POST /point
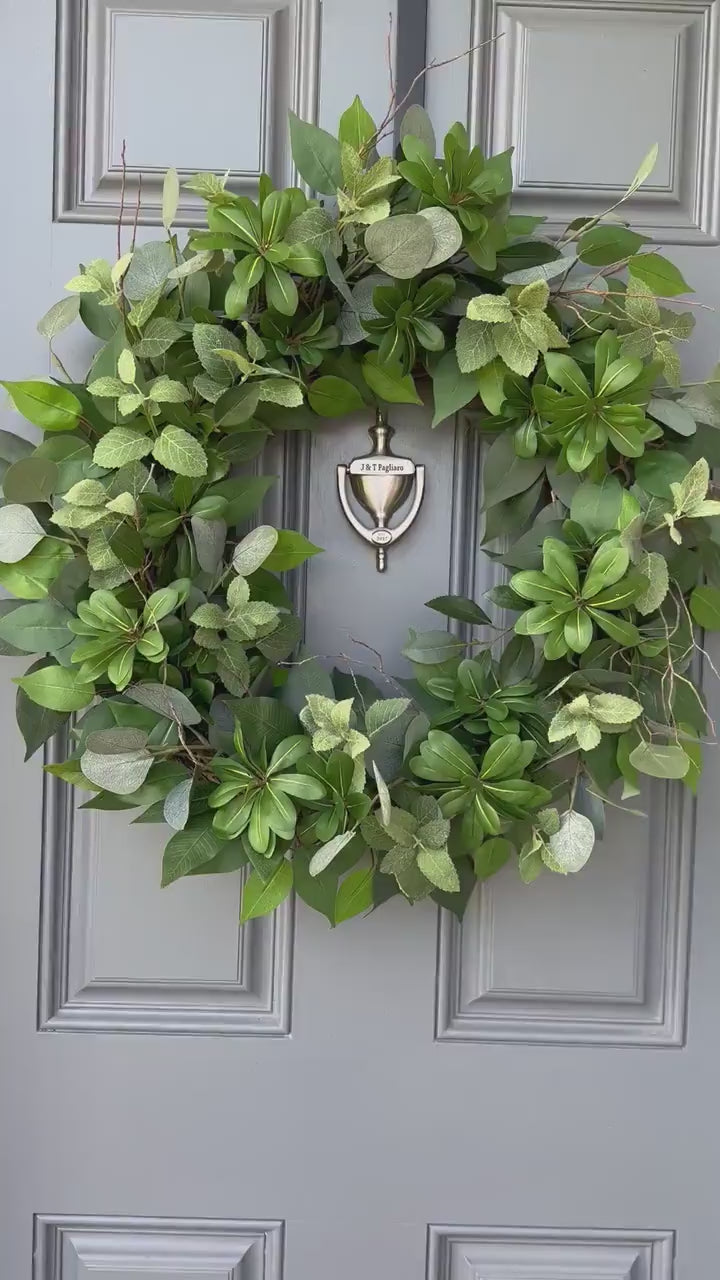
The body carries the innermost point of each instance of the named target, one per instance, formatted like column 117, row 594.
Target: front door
column 530, row 1096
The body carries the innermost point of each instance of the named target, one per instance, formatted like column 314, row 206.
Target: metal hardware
column 381, row 483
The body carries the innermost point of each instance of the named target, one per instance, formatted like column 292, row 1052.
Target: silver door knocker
column 381, row 483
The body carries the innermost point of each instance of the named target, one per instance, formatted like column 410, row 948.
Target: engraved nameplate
column 382, row 467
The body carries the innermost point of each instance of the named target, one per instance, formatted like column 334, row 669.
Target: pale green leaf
column 177, row 450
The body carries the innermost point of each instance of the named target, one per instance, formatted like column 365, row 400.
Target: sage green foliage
column 157, row 620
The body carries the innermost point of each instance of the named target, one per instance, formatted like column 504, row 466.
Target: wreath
column 166, row 646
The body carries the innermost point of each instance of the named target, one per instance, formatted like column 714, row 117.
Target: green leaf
column 608, row 565
column 656, row 471
column 384, row 712
column 35, row 723
column 281, row 290
column 31, row 577
column 316, row 155
column 388, row 381
column 494, row 308
column 609, row 243
column 460, row 608
column 571, row 846
column 357, row 126
column 475, row 344
column 328, row 852
column 333, row 397
column 291, row 549
column 120, row 446
column 176, row 808
column 673, row 415
column 260, row 897
column 209, row 340
column 505, row 475
column 659, row 275
column 354, row 895
column 491, row 385
column 209, row 537
column 281, row 391
column 438, row 867
column 416, row 123
column 57, row 688
column 402, row 245
column 149, row 268
column 164, row 390
column 317, row 891
column 190, row 848
column 166, row 701
column 170, row 198
column 660, row 761
column 20, row 532
column 645, row 169
column 118, row 772
column 596, row 507
column 432, row 647
column 30, row 479
column 243, row 496
column 37, row 628
column 452, row 390
column 705, row 608
column 46, row 405
column 158, row 336
column 447, row 234
column 177, row 450
column 654, row 567
column 58, row 318
column 14, row 447
column 254, row 549
column 490, row 856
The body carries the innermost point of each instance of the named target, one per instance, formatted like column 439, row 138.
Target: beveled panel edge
column 657, row 1246
column 695, row 222
column 73, row 104
column 161, row 1007
column 265, row 1263
column 568, row 1022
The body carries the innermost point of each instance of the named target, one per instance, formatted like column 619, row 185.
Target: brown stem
column 394, row 108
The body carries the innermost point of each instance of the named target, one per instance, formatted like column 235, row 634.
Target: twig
column 202, row 768
column 122, row 199
column 364, row 645
column 607, row 293
column 391, row 72
column 54, row 356
column 395, row 108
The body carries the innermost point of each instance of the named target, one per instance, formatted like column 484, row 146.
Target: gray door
column 530, row 1097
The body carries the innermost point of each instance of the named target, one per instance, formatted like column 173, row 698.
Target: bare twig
column 56, row 360
column 391, row 70
column 123, row 185
column 607, row 293
column 395, row 107
column 364, row 645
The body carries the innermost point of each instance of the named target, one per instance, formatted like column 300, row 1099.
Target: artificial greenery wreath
column 166, row 643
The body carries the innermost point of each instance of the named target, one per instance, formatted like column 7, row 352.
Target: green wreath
column 166, row 646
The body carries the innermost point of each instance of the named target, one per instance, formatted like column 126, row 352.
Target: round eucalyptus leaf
column 30, row 479
column 121, row 772
column 572, row 845
column 446, row 234
column 176, row 809
column 402, row 246
column 113, row 742
column 20, row 531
